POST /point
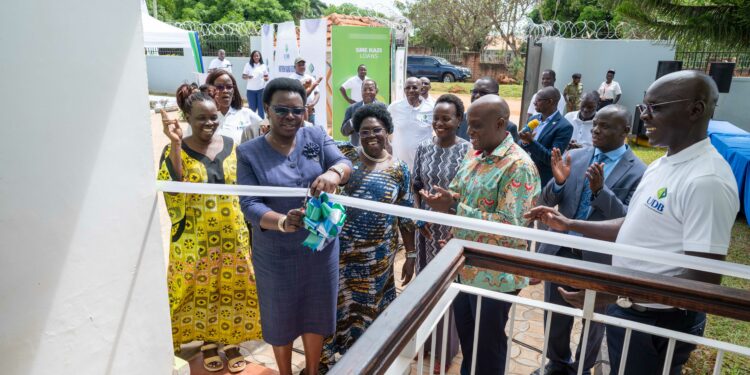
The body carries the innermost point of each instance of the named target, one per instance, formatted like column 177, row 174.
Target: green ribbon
column 323, row 220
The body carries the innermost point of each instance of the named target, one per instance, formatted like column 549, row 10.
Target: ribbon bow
column 323, row 220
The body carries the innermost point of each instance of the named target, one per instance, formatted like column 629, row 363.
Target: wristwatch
column 338, row 169
column 624, row 302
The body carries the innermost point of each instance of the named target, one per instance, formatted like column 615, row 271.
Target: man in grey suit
column 594, row 184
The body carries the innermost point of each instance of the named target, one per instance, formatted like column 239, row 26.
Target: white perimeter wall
column 634, row 61
column 82, row 282
column 733, row 106
column 166, row 73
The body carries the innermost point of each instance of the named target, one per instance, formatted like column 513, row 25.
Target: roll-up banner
column 312, row 42
column 266, row 48
column 350, row 47
column 286, row 50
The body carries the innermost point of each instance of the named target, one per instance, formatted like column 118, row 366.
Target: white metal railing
column 587, row 314
column 438, row 310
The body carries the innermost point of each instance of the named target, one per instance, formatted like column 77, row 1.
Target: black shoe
column 550, row 369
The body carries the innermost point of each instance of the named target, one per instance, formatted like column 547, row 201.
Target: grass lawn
column 719, row 328
column 506, row 91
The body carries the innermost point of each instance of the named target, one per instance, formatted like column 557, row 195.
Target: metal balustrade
column 396, row 339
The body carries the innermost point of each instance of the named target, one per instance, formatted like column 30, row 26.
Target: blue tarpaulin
column 733, row 144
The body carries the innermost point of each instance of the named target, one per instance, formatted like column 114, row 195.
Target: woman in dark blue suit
column 297, row 287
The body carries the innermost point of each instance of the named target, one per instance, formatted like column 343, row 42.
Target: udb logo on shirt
column 657, row 203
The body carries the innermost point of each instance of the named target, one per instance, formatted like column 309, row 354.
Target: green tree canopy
column 351, row 9
column 691, row 23
column 572, row 10
column 221, row 11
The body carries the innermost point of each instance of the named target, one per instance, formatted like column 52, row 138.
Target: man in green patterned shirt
column 497, row 181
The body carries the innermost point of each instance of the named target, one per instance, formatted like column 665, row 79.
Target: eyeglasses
column 649, row 108
column 367, row 133
column 482, row 92
column 224, row 88
column 282, row 111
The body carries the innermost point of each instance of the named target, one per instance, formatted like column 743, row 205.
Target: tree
column 351, row 9
column 572, row 11
column 222, row 11
column 691, row 23
column 461, row 23
column 468, row 24
column 506, row 16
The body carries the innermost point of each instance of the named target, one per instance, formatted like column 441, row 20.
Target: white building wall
column 634, row 61
column 82, row 282
column 733, row 105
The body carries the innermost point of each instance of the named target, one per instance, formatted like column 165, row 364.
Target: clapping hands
column 560, row 166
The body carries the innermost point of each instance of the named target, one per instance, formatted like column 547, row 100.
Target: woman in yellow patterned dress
column 212, row 294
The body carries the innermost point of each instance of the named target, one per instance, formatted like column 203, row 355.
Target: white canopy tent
column 157, row 34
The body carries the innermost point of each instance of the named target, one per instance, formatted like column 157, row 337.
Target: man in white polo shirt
column 686, row 203
column 220, row 63
column 354, row 85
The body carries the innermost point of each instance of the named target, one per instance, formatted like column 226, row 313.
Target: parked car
column 435, row 68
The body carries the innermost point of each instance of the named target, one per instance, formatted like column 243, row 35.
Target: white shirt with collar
column 233, row 123
column 581, row 129
column 609, row 91
column 411, row 126
column 225, row 65
column 532, row 108
column 354, row 85
column 259, row 71
column 304, row 78
column 543, row 124
column 685, row 202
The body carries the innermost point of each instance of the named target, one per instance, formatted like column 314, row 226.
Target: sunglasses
column 649, row 108
column 367, row 133
column 224, row 88
column 282, row 111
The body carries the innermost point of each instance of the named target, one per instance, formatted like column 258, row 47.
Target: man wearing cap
column 310, row 84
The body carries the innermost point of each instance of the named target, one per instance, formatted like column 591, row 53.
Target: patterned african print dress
column 369, row 242
column 435, row 165
column 210, row 280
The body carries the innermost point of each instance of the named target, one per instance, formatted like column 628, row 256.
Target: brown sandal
column 212, row 359
column 231, row 362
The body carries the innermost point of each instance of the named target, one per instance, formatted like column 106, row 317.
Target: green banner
column 350, row 47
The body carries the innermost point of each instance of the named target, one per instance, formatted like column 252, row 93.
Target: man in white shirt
column 425, row 91
column 354, row 85
column 220, row 63
column 583, row 121
column 412, row 122
column 310, row 84
column 686, row 203
column 548, row 80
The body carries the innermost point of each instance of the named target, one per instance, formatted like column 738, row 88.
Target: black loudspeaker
column 667, row 66
column 722, row 73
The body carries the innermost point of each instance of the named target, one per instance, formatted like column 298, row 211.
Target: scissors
column 307, row 196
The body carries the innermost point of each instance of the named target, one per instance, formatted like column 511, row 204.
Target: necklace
column 384, row 158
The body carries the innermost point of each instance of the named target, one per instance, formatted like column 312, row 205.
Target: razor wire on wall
column 233, row 38
column 582, row 30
